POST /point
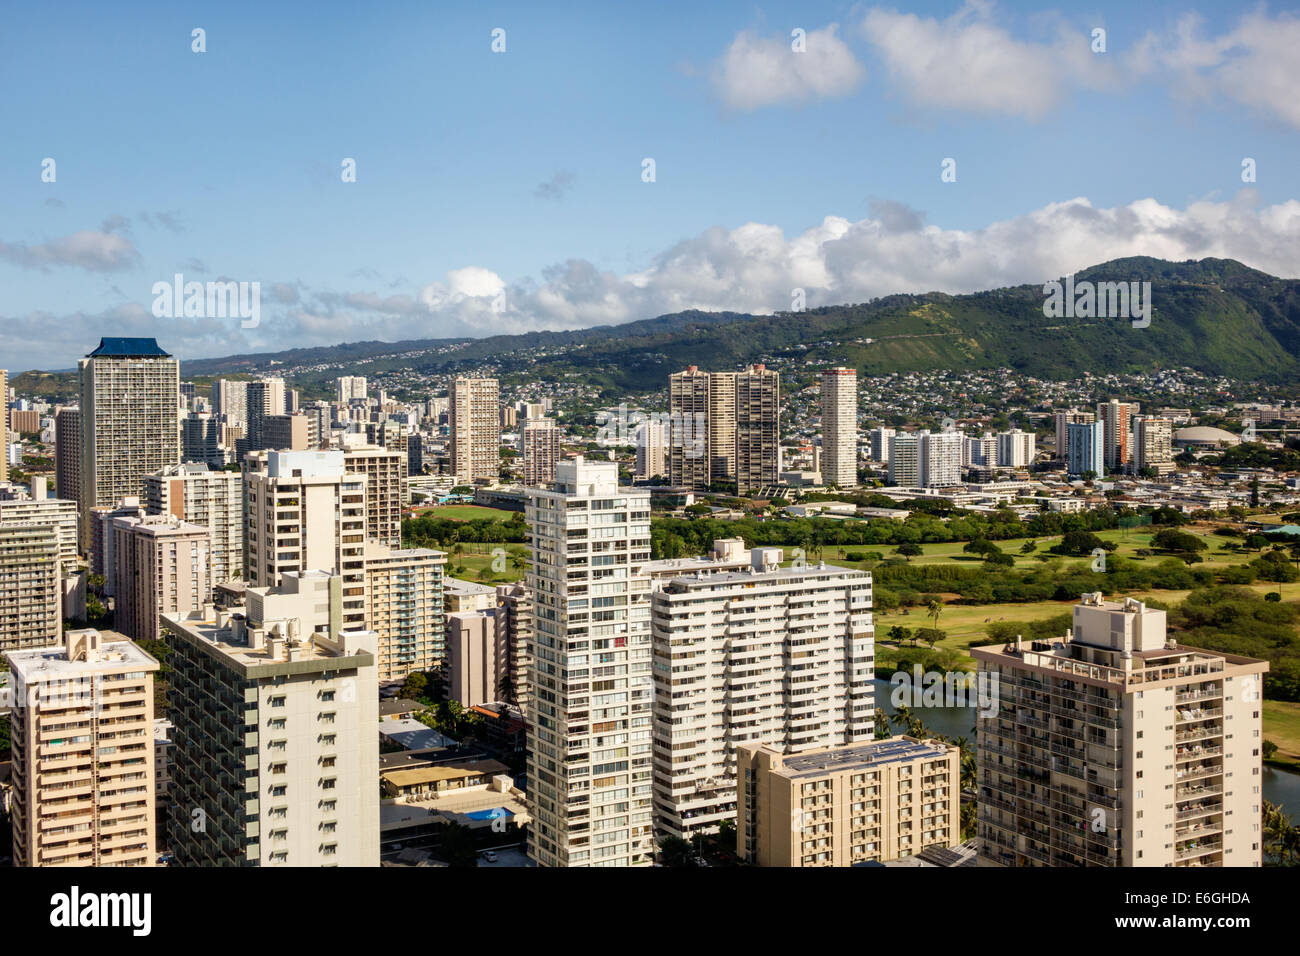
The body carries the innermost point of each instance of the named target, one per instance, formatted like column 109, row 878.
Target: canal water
column 1279, row 787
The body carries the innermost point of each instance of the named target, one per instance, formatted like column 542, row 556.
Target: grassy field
column 1129, row 543
column 1282, row 726
column 463, row 512
column 478, row 558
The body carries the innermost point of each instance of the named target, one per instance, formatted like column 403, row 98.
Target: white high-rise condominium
column 1016, row 449
column 840, row 427
column 351, row 387
column 980, row 452
column 589, row 749
column 880, row 443
column 941, row 458
column 130, row 419
column 230, row 400
column 767, row 655
column 475, row 412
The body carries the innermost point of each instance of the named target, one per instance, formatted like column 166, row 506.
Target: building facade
column 475, row 423
column 839, row 400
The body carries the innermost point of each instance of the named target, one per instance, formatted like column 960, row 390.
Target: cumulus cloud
column 103, row 250
column 753, row 267
column 968, row 62
column 1254, row 63
column 759, row 71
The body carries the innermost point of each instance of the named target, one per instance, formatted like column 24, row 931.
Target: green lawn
column 1282, row 726
column 477, row 557
column 463, row 512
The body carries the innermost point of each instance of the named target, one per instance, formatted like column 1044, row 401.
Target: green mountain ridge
column 1215, row 315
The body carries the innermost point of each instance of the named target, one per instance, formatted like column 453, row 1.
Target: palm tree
column 902, row 717
column 934, row 608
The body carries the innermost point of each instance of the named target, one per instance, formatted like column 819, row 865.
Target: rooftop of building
column 751, row 575
column 438, row 773
column 128, row 348
column 460, row 587
column 864, row 756
column 52, row 663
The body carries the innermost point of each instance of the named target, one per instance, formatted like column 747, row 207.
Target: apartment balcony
column 1198, row 850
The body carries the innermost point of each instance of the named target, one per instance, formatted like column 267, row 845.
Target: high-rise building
column 541, row 444
column 941, row 458
column 102, row 541
column 766, row 655
column 589, row 750
column 230, row 400
column 162, row 565
column 1064, row 419
column 880, row 444
column 981, row 452
column 1116, row 417
column 1117, row 746
column 287, row 432
column 266, row 398
column 67, row 453
column 414, row 454
column 212, row 499
column 31, row 595
column 1085, row 449
column 842, row 806
column 385, row 473
column 651, row 450
column 475, row 448
column 724, row 427
column 54, row 512
column 1016, row 449
column 306, row 512
column 275, row 709
column 1153, row 444
column 350, row 388
column 4, row 425
column 201, row 439
column 690, row 460
column 130, row 419
column 405, row 608
column 477, row 657
column 515, row 614
column 83, row 753
column 905, row 459
column 839, row 394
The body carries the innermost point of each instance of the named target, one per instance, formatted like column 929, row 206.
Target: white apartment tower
column 767, row 655
column 840, row 427
column 589, row 747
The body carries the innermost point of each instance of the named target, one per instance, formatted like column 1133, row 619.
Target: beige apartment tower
column 385, row 472
column 724, row 427
column 765, row 655
column 839, row 806
column 405, row 608
column 1153, row 444
column 162, row 565
column 540, row 439
column 589, row 751
column 1117, row 746
column 213, row 499
column 83, row 753
column 475, row 411
column 306, row 512
column 130, row 420
column 840, row 427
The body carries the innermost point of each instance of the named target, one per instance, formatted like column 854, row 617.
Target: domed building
column 1203, row 436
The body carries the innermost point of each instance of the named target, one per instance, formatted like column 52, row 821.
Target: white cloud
column 764, row 71
column 102, row 250
column 750, row 268
column 1255, row 63
column 966, row 62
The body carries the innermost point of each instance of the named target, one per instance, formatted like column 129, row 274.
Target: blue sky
column 498, row 192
